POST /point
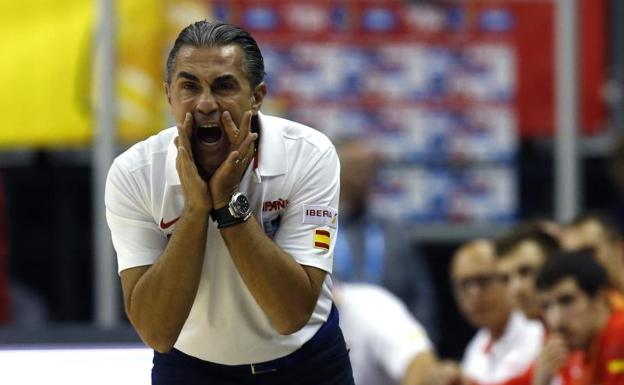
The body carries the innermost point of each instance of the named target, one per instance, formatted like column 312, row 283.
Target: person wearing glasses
column 506, row 343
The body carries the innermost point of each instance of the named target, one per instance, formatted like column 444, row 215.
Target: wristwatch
column 236, row 211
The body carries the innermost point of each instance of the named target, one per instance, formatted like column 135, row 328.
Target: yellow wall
column 45, row 72
column 46, row 82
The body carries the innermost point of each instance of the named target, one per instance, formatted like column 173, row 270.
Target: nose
column 516, row 285
column 207, row 104
column 554, row 317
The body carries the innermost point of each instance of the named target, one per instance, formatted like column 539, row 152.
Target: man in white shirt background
column 387, row 344
column 507, row 343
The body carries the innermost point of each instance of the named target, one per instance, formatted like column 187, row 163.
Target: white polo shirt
column 382, row 335
column 294, row 195
column 487, row 362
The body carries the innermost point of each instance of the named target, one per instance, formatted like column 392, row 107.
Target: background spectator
column 506, row 343
column 573, row 291
column 521, row 253
column 377, row 250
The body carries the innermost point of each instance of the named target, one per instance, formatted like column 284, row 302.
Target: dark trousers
column 324, row 360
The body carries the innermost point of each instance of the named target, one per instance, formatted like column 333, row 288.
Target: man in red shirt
column 586, row 341
column 599, row 232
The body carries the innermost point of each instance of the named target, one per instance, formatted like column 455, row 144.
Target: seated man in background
column 573, row 290
column 507, row 343
column 387, row 344
column 521, row 253
column 600, row 233
column 377, row 250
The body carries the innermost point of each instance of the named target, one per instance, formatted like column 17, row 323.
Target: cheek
column 527, row 285
column 178, row 109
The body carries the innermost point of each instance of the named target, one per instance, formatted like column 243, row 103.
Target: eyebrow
column 189, row 76
column 222, row 78
column 225, row 78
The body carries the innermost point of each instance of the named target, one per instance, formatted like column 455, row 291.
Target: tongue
column 209, row 134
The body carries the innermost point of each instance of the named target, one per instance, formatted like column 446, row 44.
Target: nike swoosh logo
column 165, row 225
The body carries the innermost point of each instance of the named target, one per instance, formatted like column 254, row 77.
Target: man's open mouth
column 208, row 134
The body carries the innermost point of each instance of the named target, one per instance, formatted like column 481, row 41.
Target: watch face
column 240, row 205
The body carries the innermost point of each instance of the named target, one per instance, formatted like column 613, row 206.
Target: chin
column 205, row 172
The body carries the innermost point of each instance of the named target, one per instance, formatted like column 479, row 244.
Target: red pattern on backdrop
column 532, row 36
column 535, row 42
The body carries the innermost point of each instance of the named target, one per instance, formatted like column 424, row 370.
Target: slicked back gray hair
column 203, row 34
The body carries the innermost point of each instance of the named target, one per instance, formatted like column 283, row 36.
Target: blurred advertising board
column 372, row 50
column 47, row 80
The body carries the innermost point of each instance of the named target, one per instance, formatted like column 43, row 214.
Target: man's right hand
column 196, row 192
column 552, row 357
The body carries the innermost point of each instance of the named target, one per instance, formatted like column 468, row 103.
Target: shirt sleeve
column 136, row 237
column 309, row 226
column 398, row 339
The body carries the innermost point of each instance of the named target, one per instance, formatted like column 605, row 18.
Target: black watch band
column 235, row 212
column 224, row 218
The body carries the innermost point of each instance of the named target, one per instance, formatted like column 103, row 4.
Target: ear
column 168, row 92
column 258, row 97
column 603, row 297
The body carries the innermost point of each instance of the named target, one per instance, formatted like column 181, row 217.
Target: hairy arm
column 158, row 298
column 285, row 290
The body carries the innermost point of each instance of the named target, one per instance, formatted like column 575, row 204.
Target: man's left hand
column 226, row 179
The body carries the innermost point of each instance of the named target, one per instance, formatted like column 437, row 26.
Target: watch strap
column 224, row 218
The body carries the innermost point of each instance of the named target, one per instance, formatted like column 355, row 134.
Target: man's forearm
column 163, row 296
column 286, row 291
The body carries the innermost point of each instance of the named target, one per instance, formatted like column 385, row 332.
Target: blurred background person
column 377, row 250
column 599, row 232
column 506, row 343
column 521, row 253
column 573, row 289
column 387, row 345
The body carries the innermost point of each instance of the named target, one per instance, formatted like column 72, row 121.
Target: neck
column 601, row 317
column 498, row 330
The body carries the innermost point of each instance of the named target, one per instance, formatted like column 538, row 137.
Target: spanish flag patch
column 615, row 366
column 321, row 239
